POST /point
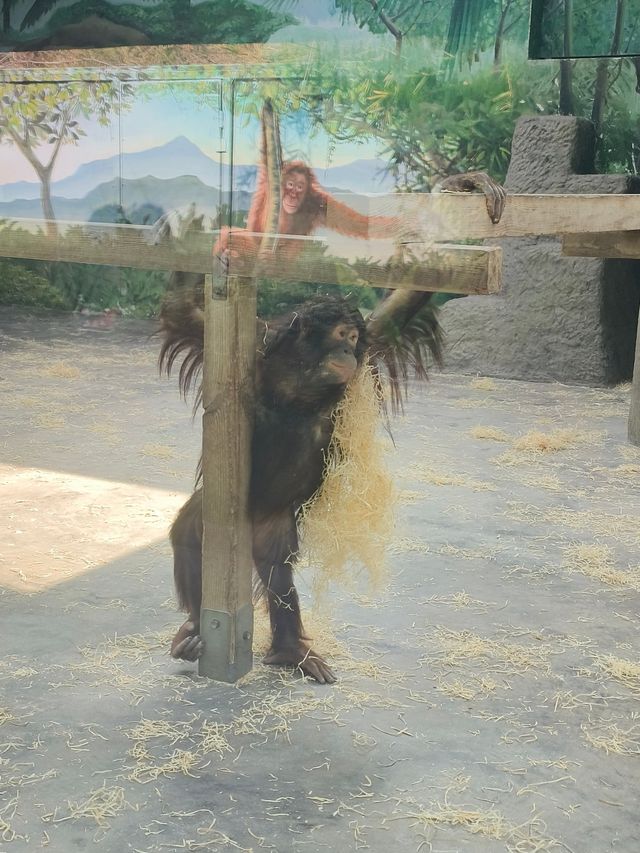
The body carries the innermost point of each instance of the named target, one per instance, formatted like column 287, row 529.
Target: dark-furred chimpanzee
column 303, row 365
column 304, row 362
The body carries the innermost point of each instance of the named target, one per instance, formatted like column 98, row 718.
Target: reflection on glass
column 575, row 28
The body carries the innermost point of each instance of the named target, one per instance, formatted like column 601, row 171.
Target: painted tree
column 39, row 118
column 399, row 18
column 37, row 10
column 602, row 71
column 512, row 17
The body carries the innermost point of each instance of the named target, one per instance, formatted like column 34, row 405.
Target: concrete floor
column 488, row 698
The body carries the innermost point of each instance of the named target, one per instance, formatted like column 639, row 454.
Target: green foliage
column 136, row 292
column 177, row 21
column 37, row 9
column 421, row 17
column 467, row 25
column 33, row 114
column 592, row 28
column 24, row 286
column 618, row 143
column 433, row 125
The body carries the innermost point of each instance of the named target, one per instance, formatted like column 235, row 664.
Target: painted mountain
column 168, row 176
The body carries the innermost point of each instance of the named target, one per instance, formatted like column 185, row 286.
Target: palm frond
column 36, row 11
column 464, row 24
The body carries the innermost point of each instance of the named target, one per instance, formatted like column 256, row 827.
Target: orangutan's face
column 294, row 192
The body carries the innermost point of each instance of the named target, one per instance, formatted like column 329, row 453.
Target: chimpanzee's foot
column 187, row 643
column 302, row 657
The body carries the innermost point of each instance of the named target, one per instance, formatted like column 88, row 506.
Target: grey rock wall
column 556, row 318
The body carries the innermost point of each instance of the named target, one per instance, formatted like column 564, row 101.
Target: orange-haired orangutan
column 306, row 206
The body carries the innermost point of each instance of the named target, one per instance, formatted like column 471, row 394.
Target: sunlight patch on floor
column 55, row 526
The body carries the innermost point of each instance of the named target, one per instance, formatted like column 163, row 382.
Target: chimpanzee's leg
column 275, row 547
column 186, row 539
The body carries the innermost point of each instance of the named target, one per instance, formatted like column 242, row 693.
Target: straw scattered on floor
column 483, row 383
column 597, row 562
column 612, row 737
column 489, row 434
column 101, row 805
column 527, row 837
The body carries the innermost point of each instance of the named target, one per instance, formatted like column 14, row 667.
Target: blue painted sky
column 168, row 111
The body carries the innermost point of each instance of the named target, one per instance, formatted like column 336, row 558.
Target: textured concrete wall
column 557, row 318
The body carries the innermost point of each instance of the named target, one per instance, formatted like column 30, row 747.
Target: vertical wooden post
column 226, row 619
column 634, row 414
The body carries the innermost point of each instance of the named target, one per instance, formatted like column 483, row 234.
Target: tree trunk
column 600, row 93
column 497, row 45
column 388, row 23
column 567, row 103
column 600, row 90
column 47, row 205
column 617, row 32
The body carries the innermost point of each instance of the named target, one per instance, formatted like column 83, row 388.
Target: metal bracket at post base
column 224, row 634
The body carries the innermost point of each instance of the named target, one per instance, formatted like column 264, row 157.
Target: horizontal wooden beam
column 106, row 244
column 450, row 217
column 445, row 268
column 610, row 244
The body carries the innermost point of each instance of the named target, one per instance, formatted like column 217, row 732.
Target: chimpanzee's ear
column 404, row 337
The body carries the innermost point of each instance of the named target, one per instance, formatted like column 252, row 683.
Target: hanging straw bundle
column 348, row 522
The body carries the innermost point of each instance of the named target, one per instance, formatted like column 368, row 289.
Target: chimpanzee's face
column 339, row 363
column 313, row 359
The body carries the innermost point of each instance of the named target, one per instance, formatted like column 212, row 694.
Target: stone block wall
column 556, row 318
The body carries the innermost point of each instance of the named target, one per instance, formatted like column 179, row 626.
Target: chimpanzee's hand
column 302, row 657
column 495, row 194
